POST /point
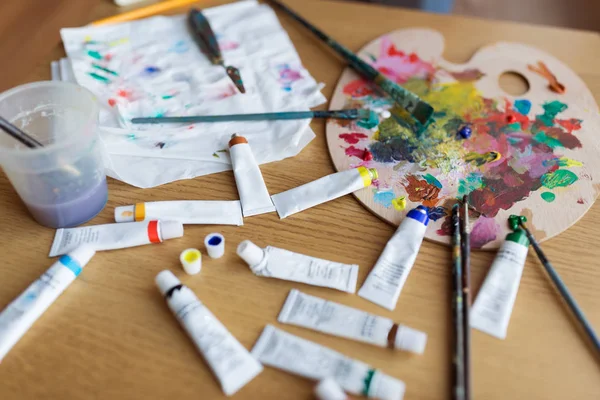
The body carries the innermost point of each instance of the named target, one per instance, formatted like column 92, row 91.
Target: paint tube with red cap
column 115, row 236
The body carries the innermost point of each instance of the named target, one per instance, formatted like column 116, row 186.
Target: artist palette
column 535, row 154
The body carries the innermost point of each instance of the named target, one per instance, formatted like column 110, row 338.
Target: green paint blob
column 558, row 178
column 548, row 196
column 551, row 110
column 94, row 54
column 101, row 68
column 99, row 77
column 551, row 142
column 432, row 181
column 369, row 123
column 168, row 96
column 470, row 183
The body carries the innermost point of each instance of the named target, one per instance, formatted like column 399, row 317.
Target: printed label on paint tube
column 283, row 264
column 251, row 186
column 492, row 309
column 298, row 356
column 230, row 362
column 21, row 314
column 322, row 190
column 115, row 236
column 204, row 212
column 386, row 279
column 336, row 319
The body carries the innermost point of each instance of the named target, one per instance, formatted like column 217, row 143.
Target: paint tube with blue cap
column 386, row 279
column 21, row 314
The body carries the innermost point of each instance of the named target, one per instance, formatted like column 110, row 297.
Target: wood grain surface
column 111, row 336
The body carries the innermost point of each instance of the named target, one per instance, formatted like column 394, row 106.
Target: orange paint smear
column 553, row 83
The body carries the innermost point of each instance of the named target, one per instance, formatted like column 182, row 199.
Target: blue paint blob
column 151, row 70
column 523, row 106
column 214, row 241
column 384, row 198
column 465, row 132
column 436, row 213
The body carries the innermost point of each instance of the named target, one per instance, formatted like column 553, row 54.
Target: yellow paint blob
column 191, row 256
column 399, row 203
column 459, row 98
column 567, row 162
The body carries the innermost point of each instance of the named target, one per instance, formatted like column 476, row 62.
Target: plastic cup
column 62, row 184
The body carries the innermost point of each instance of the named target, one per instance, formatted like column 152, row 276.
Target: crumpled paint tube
column 295, row 355
column 231, row 363
column 494, row 303
column 327, row 188
column 339, row 320
column 205, row 212
column 251, row 186
column 386, row 279
column 278, row 263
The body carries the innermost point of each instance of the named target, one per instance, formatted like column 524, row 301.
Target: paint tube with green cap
column 493, row 306
column 298, row 356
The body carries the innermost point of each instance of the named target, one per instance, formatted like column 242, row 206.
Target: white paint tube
column 204, row 212
column 386, row 279
column 328, row 389
column 327, row 188
column 273, row 262
column 229, row 361
column 339, row 320
column 251, row 186
column 115, row 236
column 494, row 303
column 22, row 313
column 298, row 356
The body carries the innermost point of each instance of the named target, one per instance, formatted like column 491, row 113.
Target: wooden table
column 111, row 336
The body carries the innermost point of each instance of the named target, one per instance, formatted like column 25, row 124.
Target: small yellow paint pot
column 191, row 261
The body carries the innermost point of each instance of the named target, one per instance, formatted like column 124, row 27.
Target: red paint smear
column 567, row 139
column 413, row 58
column 353, row 138
column 112, row 102
column 123, row 93
column 358, row 88
column 363, row 154
column 570, row 124
column 393, row 51
column 580, row 201
column 191, row 127
column 108, row 57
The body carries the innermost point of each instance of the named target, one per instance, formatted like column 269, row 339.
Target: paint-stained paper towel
column 153, row 67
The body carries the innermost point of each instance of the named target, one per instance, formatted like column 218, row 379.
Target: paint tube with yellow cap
column 203, row 212
column 251, row 186
column 273, row 262
column 327, row 188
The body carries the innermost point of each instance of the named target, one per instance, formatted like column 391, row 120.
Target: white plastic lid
column 170, row 229
column 250, row 253
column 328, row 389
column 125, row 213
column 410, row 339
column 166, row 280
column 191, row 261
column 83, row 254
column 215, row 245
column 384, row 387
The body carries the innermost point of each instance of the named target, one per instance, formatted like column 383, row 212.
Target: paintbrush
column 420, row 111
column 516, row 222
column 459, row 353
column 466, row 288
column 207, row 41
column 335, row 114
column 18, row 134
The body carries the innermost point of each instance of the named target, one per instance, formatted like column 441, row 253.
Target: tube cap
column 384, row 387
column 235, row 139
column 83, row 254
column 420, row 214
column 166, row 280
column 170, row 229
column 125, row 213
column 250, row 253
column 373, row 172
column 410, row 339
column 191, row 261
column 215, row 245
column 328, row 389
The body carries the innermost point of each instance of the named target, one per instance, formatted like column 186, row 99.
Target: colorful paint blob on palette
column 512, row 154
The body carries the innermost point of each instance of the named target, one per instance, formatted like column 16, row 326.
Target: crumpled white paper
column 153, row 67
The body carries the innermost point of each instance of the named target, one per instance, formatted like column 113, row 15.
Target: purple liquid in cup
column 78, row 210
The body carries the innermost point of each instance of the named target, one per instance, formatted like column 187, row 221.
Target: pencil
column 558, row 282
column 138, row 13
column 459, row 354
column 419, row 110
column 335, row 114
column 466, row 287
